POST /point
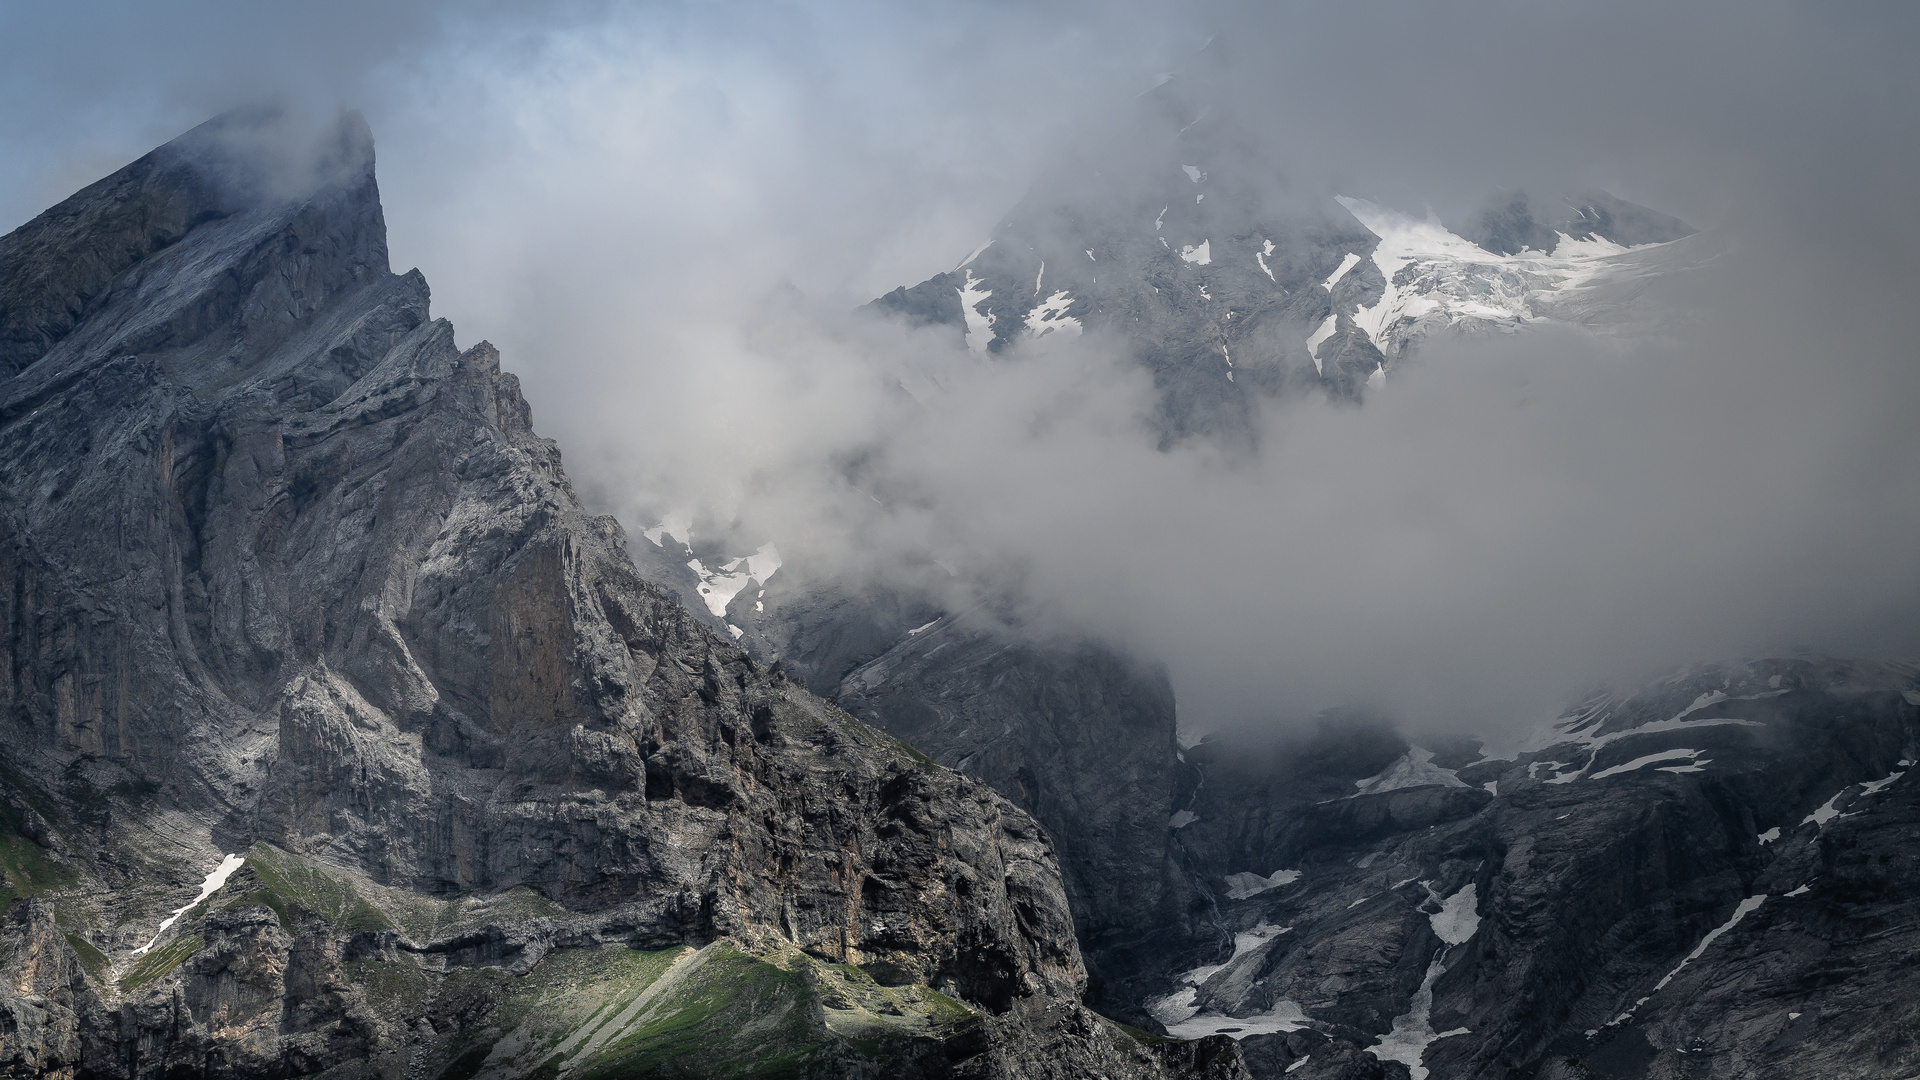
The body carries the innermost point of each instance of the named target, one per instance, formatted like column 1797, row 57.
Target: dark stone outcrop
column 1082, row 739
column 1579, row 920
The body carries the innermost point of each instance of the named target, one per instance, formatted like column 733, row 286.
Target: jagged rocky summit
column 1187, row 250
column 341, row 740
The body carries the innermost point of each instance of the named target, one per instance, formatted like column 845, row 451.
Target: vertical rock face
column 289, row 574
column 1080, row 738
column 1682, row 881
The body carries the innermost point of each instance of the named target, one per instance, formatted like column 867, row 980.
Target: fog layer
column 665, row 215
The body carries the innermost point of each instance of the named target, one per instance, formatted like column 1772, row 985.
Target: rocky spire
column 259, row 166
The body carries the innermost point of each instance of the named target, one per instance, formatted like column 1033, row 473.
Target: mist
column 667, row 215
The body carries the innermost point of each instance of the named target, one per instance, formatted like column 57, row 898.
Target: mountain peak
column 1509, row 223
column 258, row 155
column 261, row 163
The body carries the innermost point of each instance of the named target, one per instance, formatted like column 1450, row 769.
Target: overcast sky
column 661, row 212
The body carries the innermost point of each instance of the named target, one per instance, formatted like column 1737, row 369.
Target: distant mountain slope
column 1715, row 875
column 1177, row 250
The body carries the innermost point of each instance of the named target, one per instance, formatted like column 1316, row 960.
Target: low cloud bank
column 666, row 217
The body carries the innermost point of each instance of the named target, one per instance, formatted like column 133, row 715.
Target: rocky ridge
column 1186, row 251
column 1708, row 877
column 1175, row 251
column 297, row 596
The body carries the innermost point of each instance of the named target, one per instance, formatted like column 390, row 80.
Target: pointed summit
column 249, row 167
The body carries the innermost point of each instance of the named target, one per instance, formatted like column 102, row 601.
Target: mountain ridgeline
column 341, row 740
column 1711, row 876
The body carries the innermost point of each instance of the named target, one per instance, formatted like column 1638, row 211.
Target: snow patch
column 1319, row 337
column 1201, row 254
column 1181, row 819
column 677, row 525
column 1828, row 810
column 1452, row 282
column 1283, row 1017
column 1193, row 173
column 1184, row 1019
column 1412, row 1033
column 763, row 562
column 208, row 887
column 1769, row 836
column 1415, row 768
column 977, row 252
column 979, row 323
column 1458, row 920
column 1051, row 315
column 717, row 588
column 1746, row 907
column 1577, row 729
column 1692, row 757
column 1346, row 264
column 1877, row 786
column 918, row 630
column 1243, row 885
column 1711, row 697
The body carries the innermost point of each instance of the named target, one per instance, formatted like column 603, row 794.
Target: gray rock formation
column 1072, row 732
column 1080, row 738
column 1589, row 905
column 1185, row 248
column 1508, row 224
column 290, row 579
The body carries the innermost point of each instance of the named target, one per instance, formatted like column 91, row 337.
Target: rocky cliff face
column 1074, row 733
column 1709, row 877
column 1082, row 739
column 295, row 596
